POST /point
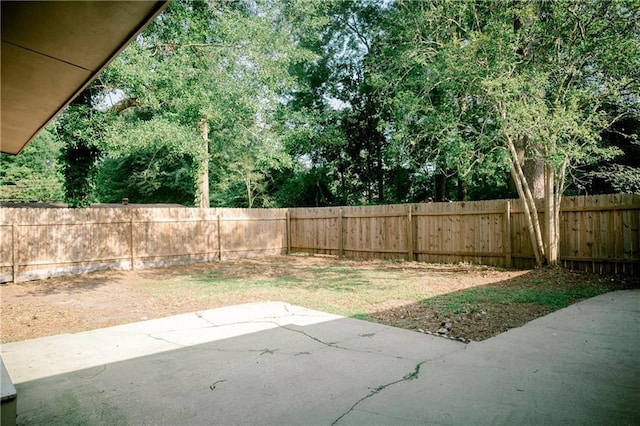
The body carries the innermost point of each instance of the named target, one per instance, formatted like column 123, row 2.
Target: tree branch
column 125, row 104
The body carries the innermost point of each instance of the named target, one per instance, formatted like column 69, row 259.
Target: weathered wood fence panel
column 39, row 243
column 316, row 230
column 597, row 233
column 252, row 232
column 461, row 232
column 601, row 233
column 375, row 232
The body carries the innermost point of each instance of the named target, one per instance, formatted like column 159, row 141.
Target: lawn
column 460, row 301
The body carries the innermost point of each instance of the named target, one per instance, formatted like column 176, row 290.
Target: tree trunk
column 462, row 190
column 528, row 203
column 533, row 169
column 550, row 215
column 559, row 183
column 441, row 186
column 202, row 190
column 247, row 184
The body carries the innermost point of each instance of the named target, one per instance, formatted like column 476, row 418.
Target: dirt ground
column 387, row 292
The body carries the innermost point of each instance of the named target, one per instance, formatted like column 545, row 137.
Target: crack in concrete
column 288, row 314
column 199, row 315
column 315, row 339
column 213, row 385
column 272, row 320
column 268, row 320
column 104, row 368
column 335, row 344
column 407, row 377
column 162, row 339
column 260, row 352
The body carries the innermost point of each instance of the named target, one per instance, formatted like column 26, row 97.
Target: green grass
column 338, row 289
column 481, row 301
column 552, row 295
column 360, row 289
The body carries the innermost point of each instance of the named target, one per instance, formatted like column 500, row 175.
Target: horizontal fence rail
column 40, row 243
column 597, row 233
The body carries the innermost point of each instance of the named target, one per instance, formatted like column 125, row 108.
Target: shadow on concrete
column 272, row 377
column 273, row 363
column 300, row 368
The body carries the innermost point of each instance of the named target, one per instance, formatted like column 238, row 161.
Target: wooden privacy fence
column 597, row 233
column 39, row 243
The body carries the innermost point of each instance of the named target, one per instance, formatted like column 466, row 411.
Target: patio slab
column 274, row 363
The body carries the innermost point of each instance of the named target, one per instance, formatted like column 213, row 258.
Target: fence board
column 598, row 234
column 50, row 242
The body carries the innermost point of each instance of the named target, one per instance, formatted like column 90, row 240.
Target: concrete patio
column 273, row 363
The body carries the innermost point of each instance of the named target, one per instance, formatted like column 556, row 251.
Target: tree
column 619, row 174
column 151, row 161
column 508, row 81
column 81, row 128
column 34, row 174
column 334, row 120
column 217, row 70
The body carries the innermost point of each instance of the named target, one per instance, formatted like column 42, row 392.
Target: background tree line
column 276, row 103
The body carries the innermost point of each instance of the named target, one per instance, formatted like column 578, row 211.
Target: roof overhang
column 52, row 50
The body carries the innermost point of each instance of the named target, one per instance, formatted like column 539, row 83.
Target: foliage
column 334, row 118
column 620, row 178
column 312, row 102
column 33, row 175
column 302, row 187
column 215, row 70
column 484, row 84
column 152, row 162
column 81, row 128
column 618, row 174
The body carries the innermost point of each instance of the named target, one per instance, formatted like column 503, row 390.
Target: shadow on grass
column 480, row 312
column 76, row 284
column 348, row 280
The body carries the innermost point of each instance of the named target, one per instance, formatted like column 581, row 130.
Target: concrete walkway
column 273, row 363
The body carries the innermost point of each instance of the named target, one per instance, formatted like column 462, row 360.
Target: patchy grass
column 477, row 301
column 463, row 301
column 344, row 290
column 480, row 312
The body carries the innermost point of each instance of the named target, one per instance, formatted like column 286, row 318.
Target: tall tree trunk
column 559, row 183
column 462, row 190
column 533, row 169
column 441, row 186
column 380, row 174
column 247, row 184
column 202, row 190
column 528, row 203
column 550, row 215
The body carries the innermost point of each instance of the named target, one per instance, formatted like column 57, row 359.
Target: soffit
column 52, row 50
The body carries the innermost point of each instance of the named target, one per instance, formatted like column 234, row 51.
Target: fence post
column 288, row 230
column 131, row 250
column 14, row 251
column 341, row 234
column 507, row 235
column 219, row 239
column 410, row 232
